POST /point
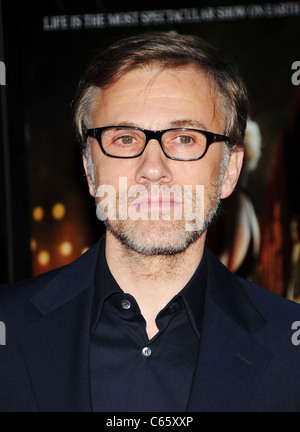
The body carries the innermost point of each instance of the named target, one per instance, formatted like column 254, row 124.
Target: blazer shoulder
column 15, row 298
column 26, row 286
column 271, row 304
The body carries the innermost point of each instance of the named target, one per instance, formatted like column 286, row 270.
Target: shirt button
column 125, row 304
column 146, row 352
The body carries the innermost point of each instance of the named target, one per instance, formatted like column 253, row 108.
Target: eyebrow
column 188, row 123
column 180, row 123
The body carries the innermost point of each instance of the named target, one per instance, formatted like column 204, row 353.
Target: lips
column 151, row 203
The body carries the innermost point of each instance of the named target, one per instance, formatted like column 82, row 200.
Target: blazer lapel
column 56, row 346
column 230, row 362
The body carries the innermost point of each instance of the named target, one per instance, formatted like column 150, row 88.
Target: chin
column 152, row 238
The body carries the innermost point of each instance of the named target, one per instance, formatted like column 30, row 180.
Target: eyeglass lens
column 127, row 142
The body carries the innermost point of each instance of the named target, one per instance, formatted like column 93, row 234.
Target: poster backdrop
column 257, row 233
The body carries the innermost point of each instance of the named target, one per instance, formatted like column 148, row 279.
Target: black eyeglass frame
column 211, row 138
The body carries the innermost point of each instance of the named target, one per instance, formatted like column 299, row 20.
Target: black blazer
column 247, row 360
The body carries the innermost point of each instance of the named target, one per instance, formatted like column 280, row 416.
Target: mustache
column 140, row 194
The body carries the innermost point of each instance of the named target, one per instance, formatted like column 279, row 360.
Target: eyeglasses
column 182, row 144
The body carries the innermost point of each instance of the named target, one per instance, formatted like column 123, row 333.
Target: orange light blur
column 58, row 211
column 43, row 258
column 66, row 248
column 38, row 213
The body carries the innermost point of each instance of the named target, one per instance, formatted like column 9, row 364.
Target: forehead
column 159, row 93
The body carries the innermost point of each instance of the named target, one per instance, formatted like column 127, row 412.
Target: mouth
column 155, row 203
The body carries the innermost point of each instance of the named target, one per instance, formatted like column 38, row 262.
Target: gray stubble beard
column 127, row 234
column 136, row 235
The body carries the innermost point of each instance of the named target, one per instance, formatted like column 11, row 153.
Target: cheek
column 198, row 173
column 109, row 170
column 214, row 164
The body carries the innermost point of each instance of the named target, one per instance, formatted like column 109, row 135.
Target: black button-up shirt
column 131, row 373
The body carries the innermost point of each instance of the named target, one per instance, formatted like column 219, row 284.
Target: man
column 148, row 319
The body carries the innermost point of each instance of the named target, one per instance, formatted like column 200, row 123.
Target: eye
column 127, row 139
column 184, row 139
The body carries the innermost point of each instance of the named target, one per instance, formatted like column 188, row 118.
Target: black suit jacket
column 246, row 360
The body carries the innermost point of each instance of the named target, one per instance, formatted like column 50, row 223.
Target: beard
column 162, row 237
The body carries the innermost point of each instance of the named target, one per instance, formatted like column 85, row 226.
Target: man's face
column 155, row 99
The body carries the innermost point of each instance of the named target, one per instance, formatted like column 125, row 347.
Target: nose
column 154, row 165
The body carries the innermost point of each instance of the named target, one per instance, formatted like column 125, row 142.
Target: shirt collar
column 193, row 293
column 105, row 285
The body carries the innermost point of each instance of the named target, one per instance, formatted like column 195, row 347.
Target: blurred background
column 47, row 216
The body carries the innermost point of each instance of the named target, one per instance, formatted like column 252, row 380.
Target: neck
column 152, row 280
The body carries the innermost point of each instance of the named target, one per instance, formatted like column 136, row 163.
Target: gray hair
column 170, row 51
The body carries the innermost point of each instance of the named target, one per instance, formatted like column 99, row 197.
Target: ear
column 88, row 176
column 232, row 172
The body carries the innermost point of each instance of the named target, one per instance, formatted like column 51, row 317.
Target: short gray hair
column 170, row 51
